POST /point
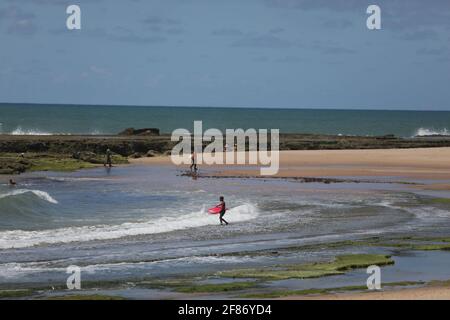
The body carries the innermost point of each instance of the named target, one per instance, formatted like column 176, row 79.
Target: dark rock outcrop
column 151, row 154
column 140, row 132
column 88, row 156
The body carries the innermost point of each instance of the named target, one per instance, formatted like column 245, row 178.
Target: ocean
column 138, row 222
column 74, row 119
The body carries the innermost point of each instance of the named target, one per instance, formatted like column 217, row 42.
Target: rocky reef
column 71, row 152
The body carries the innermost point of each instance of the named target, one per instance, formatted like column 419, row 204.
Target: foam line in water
column 25, row 132
column 432, row 132
column 19, row 131
column 21, row 239
column 40, row 194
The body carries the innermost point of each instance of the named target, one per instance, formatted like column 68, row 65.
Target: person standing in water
column 223, row 209
column 108, row 158
column 194, row 161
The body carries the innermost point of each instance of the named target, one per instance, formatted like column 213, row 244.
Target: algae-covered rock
column 340, row 265
column 89, row 156
column 13, row 165
column 136, row 155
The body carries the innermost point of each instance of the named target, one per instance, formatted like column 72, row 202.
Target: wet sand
column 425, row 293
column 423, row 163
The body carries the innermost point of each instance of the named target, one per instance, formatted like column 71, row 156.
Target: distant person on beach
column 194, row 161
column 108, row 158
column 12, row 183
column 223, row 209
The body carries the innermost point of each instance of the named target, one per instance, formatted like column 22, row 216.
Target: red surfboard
column 215, row 210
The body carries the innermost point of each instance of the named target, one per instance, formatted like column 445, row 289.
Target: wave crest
column 431, row 132
column 21, row 239
column 40, row 194
column 19, row 131
column 29, row 132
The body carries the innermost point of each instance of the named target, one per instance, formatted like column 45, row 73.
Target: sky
column 227, row 53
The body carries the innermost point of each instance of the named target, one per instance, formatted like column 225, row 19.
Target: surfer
column 222, row 210
column 12, row 183
column 108, row 158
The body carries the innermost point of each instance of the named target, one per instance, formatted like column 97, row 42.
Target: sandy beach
column 425, row 293
column 424, row 163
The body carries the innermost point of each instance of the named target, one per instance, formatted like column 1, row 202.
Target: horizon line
column 221, row 107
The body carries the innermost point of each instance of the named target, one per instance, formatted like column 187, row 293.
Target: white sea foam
column 40, row 194
column 28, row 132
column 21, row 239
column 17, row 270
column 432, row 132
column 19, row 131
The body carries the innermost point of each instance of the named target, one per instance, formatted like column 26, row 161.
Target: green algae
column 85, row 297
column 64, row 164
column 340, row 265
column 221, row 287
column 14, row 163
column 440, row 200
column 19, row 293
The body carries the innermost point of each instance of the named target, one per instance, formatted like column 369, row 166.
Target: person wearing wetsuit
column 108, row 161
column 194, row 161
column 223, row 209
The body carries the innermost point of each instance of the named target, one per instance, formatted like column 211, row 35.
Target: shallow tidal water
column 136, row 222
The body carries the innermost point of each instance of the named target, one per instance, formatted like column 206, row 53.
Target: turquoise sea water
column 73, row 119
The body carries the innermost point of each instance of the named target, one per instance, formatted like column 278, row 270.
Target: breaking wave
column 19, row 131
column 29, row 132
column 38, row 193
column 431, row 132
column 21, row 238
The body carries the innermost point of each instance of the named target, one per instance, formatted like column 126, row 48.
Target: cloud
column 261, row 59
column 432, row 51
column 335, row 5
column 337, row 24
column 163, row 25
column 120, row 34
column 100, row 71
column 22, row 27
column 289, row 59
column 133, row 38
column 155, row 20
column 276, row 30
column 331, row 49
column 53, row 2
column 419, row 35
column 397, row 15
column 227, row 32
column 18, row 21
column 262, row 41
column 175, row 31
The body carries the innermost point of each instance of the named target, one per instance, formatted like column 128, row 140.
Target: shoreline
column 420, row 163
column 21, row 153
column 428, row 292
